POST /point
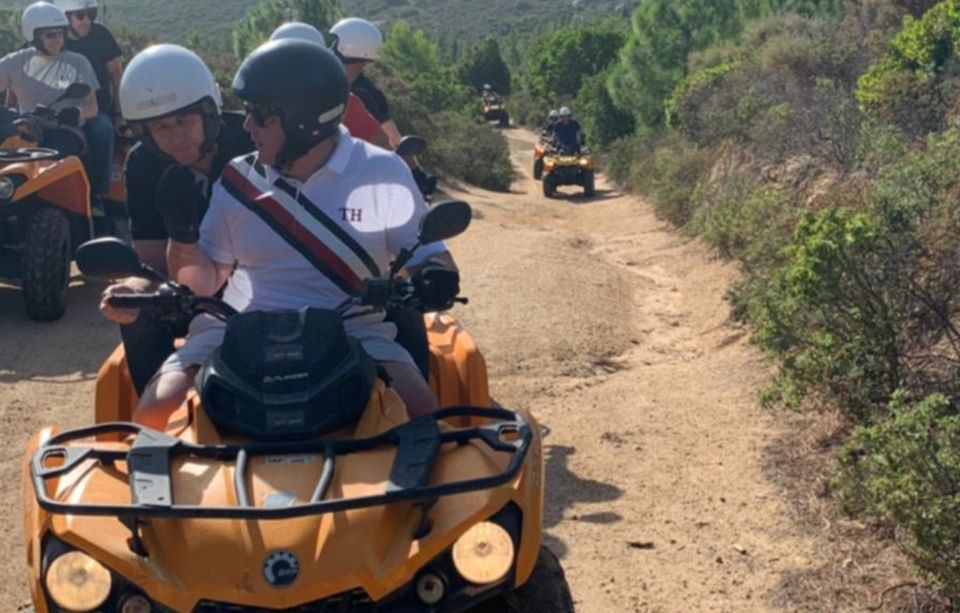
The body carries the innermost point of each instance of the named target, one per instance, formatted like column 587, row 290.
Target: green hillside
column 462, row 20
column 172, row 20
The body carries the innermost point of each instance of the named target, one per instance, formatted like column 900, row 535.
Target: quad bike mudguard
column 60, row 182
column 384, row 513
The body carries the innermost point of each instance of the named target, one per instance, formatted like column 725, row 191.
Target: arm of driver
column 393, row 133
column 115, row 69
column 153, row 254
column 90, row 108
column 205, row 266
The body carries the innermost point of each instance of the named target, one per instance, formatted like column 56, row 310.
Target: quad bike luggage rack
column 150, row 457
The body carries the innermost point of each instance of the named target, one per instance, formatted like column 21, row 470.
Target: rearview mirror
column 445, row 220
column 411, row 145
column 108, row 258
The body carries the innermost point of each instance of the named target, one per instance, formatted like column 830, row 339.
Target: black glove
column 181, row 198
column 436, row 286
column 426, row 183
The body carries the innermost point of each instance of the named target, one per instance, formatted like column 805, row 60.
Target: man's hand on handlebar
column 117, row 315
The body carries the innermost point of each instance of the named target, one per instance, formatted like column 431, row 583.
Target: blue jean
column 98, row 160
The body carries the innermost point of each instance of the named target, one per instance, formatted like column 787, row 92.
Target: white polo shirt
column 308, row 244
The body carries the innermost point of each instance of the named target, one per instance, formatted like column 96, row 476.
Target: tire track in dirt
column 607, row 324
column 655, row 454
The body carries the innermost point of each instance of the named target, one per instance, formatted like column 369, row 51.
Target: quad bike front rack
column 151, row 455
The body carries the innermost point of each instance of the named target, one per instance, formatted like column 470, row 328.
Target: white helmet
column 68, row 6
column 565, row 111
column 299, row 31
column 39, row 16
column 553, row 114
column 164, row 79
column 357, row 39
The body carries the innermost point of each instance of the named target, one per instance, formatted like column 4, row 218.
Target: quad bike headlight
column 484, row 554
column 7, row 189
column 77, row 582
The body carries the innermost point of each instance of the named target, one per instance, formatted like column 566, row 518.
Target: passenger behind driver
column 172, row 103
column 41, row 73
column 299, row 224
column 95, row 42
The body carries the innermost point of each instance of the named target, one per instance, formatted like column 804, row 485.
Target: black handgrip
column 134, row 301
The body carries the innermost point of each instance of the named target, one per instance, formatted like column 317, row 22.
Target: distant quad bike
column 496, row 111
column 45, row 209
column 566, row 167
column 294, row 480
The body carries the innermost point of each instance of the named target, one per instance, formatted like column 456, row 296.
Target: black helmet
column 302, row 83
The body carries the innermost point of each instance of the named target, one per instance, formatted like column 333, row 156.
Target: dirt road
column 612, row 328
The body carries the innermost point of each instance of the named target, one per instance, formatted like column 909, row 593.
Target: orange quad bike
column 293, row 479
column 496, row 110
column 564, row 166
column 45, row 209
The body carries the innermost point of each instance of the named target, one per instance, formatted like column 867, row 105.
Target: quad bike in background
column 496, row 110
column 565, row 166
column 294, row 479
column 45, row 208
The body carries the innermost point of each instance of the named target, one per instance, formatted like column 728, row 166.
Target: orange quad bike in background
column 45, row 208
column 293, row 479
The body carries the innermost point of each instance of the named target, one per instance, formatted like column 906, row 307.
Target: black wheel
column 46, row 265
column 549, row 186
column 547, row 590
column 504, row 119
column 538, row 169
column 589, row 187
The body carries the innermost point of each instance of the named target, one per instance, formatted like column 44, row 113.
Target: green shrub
column 602, row 121
column 906, row 470
column 668, row 172
column 460, row 146
column 474, row 153
column 914, row 84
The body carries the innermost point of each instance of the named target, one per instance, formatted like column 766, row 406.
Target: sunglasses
column 52, row 34
column 90, row 14
column 260, row 114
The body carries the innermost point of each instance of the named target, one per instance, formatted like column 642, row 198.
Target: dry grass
column 861, row 567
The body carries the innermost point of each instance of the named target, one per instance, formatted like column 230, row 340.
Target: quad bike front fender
column 61, row 183
column 36, row 521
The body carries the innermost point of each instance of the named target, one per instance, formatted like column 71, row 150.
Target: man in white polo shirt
column 299, row 223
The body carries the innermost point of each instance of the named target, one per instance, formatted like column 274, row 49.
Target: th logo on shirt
column 351, row 215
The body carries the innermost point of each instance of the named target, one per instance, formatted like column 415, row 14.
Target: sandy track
column 608, row 325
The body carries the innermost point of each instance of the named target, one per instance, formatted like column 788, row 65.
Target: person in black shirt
column 95, row 42
column 172, row 103
column 357, row 42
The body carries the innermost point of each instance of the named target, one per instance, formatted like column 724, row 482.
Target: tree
column 753, row 9
column 602, row 121
column 10, row 37
column 262, row 20
column 484, row 64
column 415, row 59
column 560, row 61
column 654, row 59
